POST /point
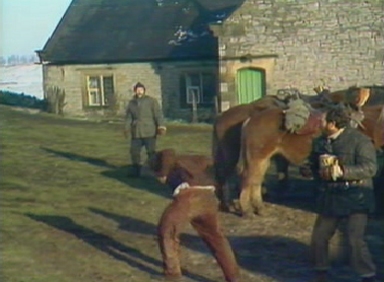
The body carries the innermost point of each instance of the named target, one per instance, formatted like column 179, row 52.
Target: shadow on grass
column 300, row 195
column 99, row 241
column 281, row 258
column 128, row 223
column 117, row 173
column 148, row 184
column 108, row 245
column 79, row 158
column 137, row 226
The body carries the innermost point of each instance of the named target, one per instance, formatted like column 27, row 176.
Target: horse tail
column 243, row 158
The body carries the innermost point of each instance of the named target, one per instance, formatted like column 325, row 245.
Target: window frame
column 187, row 101
column 189, row 97
column 101, row 89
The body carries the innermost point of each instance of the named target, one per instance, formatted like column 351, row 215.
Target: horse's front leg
column 245, row 196
column 251, row 199
column 256, row 181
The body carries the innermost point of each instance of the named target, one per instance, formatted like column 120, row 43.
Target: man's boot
column 134, row 171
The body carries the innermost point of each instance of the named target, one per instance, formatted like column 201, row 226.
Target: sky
column 26, row 25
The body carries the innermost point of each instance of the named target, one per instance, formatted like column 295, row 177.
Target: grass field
column 69, row 213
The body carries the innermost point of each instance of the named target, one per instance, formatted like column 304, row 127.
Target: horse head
column 365, row 106
column 310, row 123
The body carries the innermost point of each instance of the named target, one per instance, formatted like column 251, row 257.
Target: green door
column 250, row 85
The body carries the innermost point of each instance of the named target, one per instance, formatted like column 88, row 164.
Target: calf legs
column 208, row 228
column 171, row 223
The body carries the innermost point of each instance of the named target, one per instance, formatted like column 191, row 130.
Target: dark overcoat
column 353, row 192
column 143, row 117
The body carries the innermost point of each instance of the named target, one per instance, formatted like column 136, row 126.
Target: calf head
column 162, row 163
column 172, row 169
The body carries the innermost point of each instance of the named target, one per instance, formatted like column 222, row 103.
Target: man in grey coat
column 343, row 163
column 144, row 121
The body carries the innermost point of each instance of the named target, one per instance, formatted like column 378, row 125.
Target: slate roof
column 94, row 31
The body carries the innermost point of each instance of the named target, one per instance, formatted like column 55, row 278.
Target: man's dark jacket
column 143, row 117
column 357, row 157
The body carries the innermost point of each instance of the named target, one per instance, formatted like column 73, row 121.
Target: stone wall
column 304, row 43
column 161, row 81
column 72, row 78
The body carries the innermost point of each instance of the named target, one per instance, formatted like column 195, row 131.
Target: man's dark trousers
column 149, row 144
column 325, row 228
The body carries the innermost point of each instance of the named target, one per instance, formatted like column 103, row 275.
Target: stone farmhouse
column 220, row 52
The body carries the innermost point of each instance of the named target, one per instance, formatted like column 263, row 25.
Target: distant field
column 69, row 213
column 27, row 79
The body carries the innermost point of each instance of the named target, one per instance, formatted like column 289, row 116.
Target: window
column 193, row 92
column 100, row 90
column 198, row 86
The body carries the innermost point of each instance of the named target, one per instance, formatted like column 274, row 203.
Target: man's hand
column 326, row 173
column 332, row 172
column 161, row 130
column 337, row 171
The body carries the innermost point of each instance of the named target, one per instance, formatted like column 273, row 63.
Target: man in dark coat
column 194, row 201
column 345, row 192
column 144, row 121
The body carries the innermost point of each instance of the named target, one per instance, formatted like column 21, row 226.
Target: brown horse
column 226, row 142
column 373, row 124
column 263, row 136
column 226, row 136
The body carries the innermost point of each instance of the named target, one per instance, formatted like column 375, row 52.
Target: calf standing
column 194, row 202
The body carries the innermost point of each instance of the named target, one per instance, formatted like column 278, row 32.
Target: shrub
column 21, row 100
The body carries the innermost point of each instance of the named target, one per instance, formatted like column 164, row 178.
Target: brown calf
column 194, row 202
